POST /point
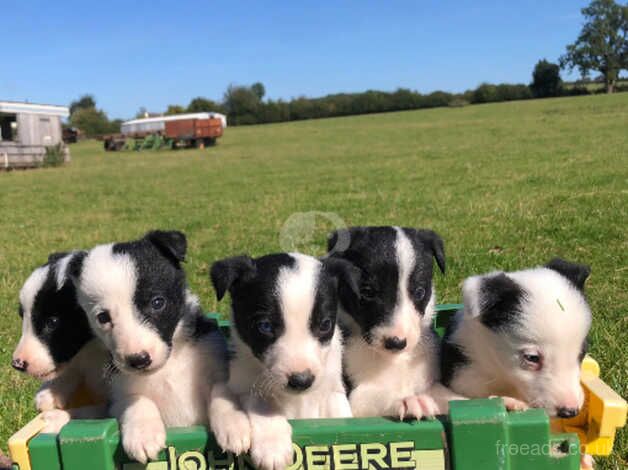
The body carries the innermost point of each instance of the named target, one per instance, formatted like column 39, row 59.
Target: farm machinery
column 198, row 130
column 475, row 435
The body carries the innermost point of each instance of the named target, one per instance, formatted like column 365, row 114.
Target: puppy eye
column 531, row 360
column 419, row 293
column 265, row 327
column 326, row 325
column 158, row 303
column 103, row 317
column 51, row 322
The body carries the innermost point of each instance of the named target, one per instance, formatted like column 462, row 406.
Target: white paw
column 271, row 447
column 232, row 431
column 46, row 400
column 513, row 404
column 586, row 461
column 143, row 439
column 417, row 407
column 55, row 420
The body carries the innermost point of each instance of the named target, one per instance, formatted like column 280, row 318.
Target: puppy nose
column 564, row 412
column 139, row 361
column 301, row 380
column 395, row 343
column 19, row 364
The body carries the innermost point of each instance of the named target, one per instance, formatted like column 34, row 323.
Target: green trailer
column 475, row 435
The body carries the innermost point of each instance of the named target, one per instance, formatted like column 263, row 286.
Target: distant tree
column 84, row 102
column 141, row 113
column 91, row 121
column 174, row 109
column 546, row 80
column 242, row 104
column 202, row 105
column 259, row 90
column 603, row 42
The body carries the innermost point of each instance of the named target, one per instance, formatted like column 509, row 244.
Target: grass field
column 507, row 186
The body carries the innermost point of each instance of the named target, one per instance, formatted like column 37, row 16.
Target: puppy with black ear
column 391, row 351
column 165, row 353
column 521, row 335
column 287, row 361
column 57, row 345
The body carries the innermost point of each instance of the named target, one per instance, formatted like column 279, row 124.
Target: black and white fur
column 391, row 352
column 521, row 335
column 165, row 353
column 288, row 351
column 57, row 345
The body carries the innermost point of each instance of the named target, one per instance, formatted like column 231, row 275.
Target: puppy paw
column 513, row 404
column 142, row 440
column 55, row 420
column 417, row 407
column 271, row 447
column 232, row 431
column 586, row 462
column 46, row 400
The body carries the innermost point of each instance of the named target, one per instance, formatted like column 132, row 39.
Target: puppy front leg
column 57, row 393
column 338, row 406
column 56, row 419
column 228, row 421
column 143, row 430
column 369, row 400
column 271, row 436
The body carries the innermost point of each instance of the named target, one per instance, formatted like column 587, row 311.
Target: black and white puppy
column 391, row 351
column 57, row 345
column 287, row 361
column 165, row 353
column 521, row 335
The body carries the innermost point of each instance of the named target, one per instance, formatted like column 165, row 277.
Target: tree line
column 602, row 46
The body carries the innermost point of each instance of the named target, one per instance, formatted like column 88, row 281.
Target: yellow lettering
column 401, row 455
column 315, row 459
column 373, row 452
column 345, row 457
column 172, row 458
column 298, row 458
column 192, row 460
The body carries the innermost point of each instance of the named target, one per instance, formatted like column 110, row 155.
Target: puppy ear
column 171, row 244
column 577, row 274
column 74, row 267
column 348, row 274
column 495, row 298
column 54, row 257
column 434, row 242
column 226, row 272
column 62, row 266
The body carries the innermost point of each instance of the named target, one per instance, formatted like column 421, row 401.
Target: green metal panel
column 90, row 444
column 483, row 435
column 44, row 452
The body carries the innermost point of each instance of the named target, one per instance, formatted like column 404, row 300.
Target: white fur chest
column 179, row 388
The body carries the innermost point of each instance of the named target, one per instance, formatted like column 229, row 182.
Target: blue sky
column 154, row 53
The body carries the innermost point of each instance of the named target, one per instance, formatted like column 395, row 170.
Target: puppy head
column 54, row 327
column 396, row 298
column 536, row 323
column 284, row 309
column 134, row 294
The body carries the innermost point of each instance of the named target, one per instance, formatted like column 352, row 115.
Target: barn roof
column 33, row 108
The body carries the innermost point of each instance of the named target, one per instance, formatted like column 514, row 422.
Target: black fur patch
column 373, row 251
column 159, row 274
column 501, row 300
column 583, row 350
column 58, row 320
column 577, row 274
column 452, row 356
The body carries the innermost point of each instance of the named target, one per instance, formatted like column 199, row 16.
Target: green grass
column 507, row 186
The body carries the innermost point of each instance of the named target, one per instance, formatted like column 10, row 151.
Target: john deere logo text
column 374, row 455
